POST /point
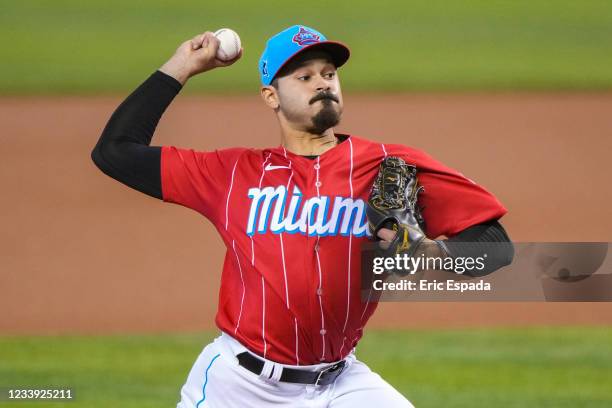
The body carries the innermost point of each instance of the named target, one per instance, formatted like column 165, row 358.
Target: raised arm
column 123, row 151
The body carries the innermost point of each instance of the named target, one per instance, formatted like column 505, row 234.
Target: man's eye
column 330, row 75
column 304, row 78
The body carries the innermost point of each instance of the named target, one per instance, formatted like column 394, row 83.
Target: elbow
column 509, row 252
column 97, row 157
column 102, row 156
column 503, row 256
column 506, row 251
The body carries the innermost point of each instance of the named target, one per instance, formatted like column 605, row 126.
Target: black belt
column 325, row 376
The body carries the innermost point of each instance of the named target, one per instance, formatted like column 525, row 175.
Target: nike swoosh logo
column 271, row 167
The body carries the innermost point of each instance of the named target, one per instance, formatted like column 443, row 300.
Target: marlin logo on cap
column 305, row 37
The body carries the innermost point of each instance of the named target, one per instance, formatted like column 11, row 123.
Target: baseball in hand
column 229, row 44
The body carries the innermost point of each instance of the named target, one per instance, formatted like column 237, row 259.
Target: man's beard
column 326, row 118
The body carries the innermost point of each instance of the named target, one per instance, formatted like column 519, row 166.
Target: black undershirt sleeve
column 487, row 238
column 123, row 150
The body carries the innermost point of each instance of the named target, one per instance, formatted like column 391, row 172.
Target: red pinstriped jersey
column 293, row 228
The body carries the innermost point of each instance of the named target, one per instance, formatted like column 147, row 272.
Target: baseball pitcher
column 293, row 219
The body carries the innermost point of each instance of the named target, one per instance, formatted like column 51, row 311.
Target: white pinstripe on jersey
column 229, row 193
column 370, row 292
column 297, row 356
column 282, row 245
column 263, row 315
column 243, row 287
column 263, row 171
column 263, row 283
column 350, row 244
column 297, row 349
column 320, row 287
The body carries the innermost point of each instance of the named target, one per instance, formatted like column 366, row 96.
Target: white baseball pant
column 217, row 380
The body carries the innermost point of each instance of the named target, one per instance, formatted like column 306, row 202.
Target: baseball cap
column 282, row 47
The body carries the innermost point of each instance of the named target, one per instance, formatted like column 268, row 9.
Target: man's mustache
column 324, row 95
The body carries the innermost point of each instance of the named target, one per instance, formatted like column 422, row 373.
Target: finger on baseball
column 386, row 234
column 201, row 40
column 207, row 50
column 213, row 42
column 196, row 42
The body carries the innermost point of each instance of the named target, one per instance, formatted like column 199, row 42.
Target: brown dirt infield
column 80, row 253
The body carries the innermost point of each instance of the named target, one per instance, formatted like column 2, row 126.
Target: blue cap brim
column 339, row 52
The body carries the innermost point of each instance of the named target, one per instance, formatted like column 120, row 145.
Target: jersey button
column 319, row 291
column 323, row 331
column 318, row 184
column 317, row 167
column 316, row 247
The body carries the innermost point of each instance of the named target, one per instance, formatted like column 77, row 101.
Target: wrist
column 445, row 253
column 181, row 74
column 434, row 248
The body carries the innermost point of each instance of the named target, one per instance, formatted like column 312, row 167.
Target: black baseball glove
column 393, row 204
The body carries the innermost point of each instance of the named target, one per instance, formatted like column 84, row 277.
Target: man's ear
column 270, row 96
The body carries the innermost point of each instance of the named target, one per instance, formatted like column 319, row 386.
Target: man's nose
column 322, row 84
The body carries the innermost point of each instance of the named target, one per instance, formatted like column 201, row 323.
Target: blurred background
column 75, row 47
column 113, row 293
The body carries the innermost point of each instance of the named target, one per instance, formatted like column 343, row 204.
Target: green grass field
column 77, row 47
column 543, row 367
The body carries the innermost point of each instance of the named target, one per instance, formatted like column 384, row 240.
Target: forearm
column 123, row 151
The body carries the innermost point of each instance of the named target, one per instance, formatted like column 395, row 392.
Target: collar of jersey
column 334, row 151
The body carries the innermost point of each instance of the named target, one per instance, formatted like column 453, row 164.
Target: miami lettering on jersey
column 316, row 216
